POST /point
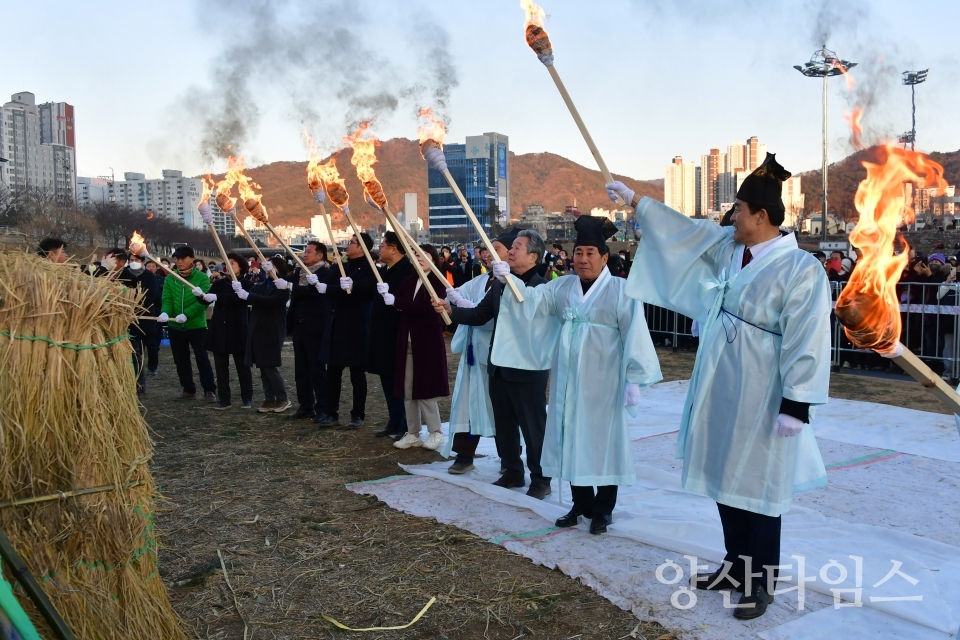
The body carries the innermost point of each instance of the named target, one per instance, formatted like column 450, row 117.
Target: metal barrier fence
column 929, row 315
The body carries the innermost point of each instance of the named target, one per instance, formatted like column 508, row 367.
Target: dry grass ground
column 269, row 494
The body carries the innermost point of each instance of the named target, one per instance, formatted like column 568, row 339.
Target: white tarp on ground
column 896, row 511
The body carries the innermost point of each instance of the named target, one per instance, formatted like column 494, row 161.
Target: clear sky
column 651, row 78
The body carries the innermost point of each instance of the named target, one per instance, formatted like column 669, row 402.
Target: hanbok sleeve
column 674, row 254
column 640, row 362
column 805, row 326
column 527, row 331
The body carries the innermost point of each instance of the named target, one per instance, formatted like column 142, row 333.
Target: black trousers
column 465, row 445
column 309, row 371
column 752, row 535
column 595, row 505
column 273, row 386
column 138, row 344
column 395, row 409
column 519, row 407
column 222, row 362
column 152, row 342
column 358, row 379
column 181, row 342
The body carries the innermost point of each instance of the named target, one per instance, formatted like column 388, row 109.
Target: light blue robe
column 764, row 336
column 471, row 411
column 603, row 344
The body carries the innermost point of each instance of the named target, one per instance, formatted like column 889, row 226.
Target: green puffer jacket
column 178, row 299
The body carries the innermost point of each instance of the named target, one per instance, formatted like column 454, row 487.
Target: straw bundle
column 69, row 420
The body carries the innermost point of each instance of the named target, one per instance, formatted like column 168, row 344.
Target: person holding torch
column 763, row 364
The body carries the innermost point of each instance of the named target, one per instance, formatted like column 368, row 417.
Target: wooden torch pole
column 253, row 245
column 223, row 252
column 366, row 252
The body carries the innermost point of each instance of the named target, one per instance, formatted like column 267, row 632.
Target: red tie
column 747, row 257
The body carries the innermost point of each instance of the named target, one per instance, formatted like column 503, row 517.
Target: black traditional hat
column 507, row 237
column 765, row 185
column 593, row 231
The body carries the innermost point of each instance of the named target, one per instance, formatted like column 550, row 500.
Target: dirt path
column 269, row 494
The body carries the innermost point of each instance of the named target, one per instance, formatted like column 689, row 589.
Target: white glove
column 281, row 284
column 631, row 395
column 346, row 283
column 268, row 266
column 237, row 286
column 321, row 287
column 209, row 297
column 465, row 304
column 163, row 318
column 205, row 213
column 617, row 188
column 500, row 269
column 453, row 296
column 389, row 299
column 242, row 294
column 787, row 426
column 180, row 319
column 312, row 279
column 382, row 288
column 197, row 291
column 108, row 262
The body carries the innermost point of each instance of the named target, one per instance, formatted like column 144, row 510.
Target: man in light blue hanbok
column 764, row 361
column 601, row 355
column 471, row 414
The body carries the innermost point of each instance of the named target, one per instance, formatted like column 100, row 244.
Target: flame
column 137, row 243
column 149, row 214
column 851, row 83
column 325, row 175
column 364, row 157
column 251, row 199
column 537, row 37
column 856, row 129
column 868, row 306
column 432, row 129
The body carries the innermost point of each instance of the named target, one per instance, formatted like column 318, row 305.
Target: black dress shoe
column 757, row 601
column 600, row 523
column 301, row 414
column 325, row 420
column 355, row 423
column 508, row 481
column 714, row 582
column 572, row 518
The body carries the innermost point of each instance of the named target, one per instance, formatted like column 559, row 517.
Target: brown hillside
column 845, row 177
column 536, row 178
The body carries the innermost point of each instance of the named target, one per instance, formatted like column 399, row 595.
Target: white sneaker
column 408, row 440
column 434, row 440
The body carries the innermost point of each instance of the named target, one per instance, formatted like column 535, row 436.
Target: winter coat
column 227, row 328
column 351, row 314
column 422, row 326
column 178, row 299
column 385, row 322
column 268, row 325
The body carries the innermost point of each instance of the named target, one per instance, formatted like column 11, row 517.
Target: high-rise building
column 711, row 166
column 736, row 157
column 756, row 152
column 680, row 187
column 38, row 141
column 793, row 202
column 480, row 167
column 171, row 196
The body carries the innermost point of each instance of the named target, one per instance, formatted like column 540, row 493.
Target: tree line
column 37, row 213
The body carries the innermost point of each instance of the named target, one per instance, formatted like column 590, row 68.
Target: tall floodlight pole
column 912, row 79
column 823, row 64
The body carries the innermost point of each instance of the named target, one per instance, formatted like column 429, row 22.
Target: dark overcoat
column 268, row 325
column 423, row 327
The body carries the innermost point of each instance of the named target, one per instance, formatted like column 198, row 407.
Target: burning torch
column 207, row 216
column 868, row 307
column 138, row 247
column 228, row 204
column 325, row 181
column 539, row 41
column 363, row 159
column 431, row 148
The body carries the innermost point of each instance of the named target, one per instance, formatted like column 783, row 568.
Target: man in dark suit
column 351, row 324
column 308, row 322
column 384, row 324
column 518, row 396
